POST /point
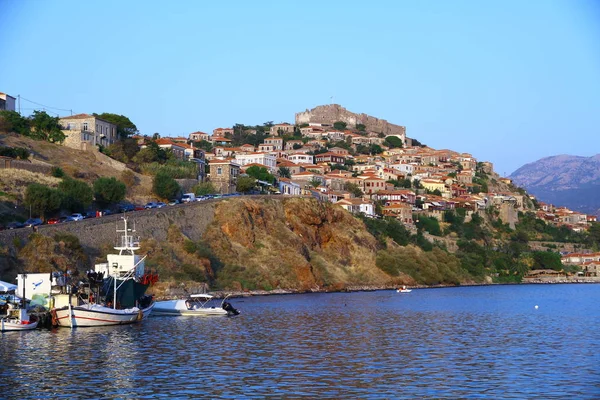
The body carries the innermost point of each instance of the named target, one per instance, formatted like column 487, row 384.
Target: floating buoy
column 536, row 307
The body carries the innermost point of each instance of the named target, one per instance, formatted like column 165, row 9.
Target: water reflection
column 444, row 343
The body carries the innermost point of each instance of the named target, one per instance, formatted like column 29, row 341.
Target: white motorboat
column 17, row 319
column 194, row 305
column 403, row 289
column 115, row 300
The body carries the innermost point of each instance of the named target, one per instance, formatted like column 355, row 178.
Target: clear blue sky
column 508, row 81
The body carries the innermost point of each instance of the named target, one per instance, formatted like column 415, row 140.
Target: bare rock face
column 294, row 244
column 563, row 180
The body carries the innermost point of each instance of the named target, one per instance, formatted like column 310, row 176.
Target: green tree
column 45, row 127
column 353, row 188
column 339, row 125
column 245, row 184
column 260, row 173
column 204, row 188
column 42, row 199
column 393, row 142
column 76, row 194
column 361, row 128
column 125, row 127
column 109, row 190
column 12, row 121
column 165, row 186
column 284, row 172
column 123, row 150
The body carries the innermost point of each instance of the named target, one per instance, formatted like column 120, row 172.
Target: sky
column 508, row 81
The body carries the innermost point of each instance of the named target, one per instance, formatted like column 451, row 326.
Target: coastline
column 220, row 294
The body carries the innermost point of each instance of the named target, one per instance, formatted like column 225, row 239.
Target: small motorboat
column 17, row 319
column 194, row 305
column 403, row 289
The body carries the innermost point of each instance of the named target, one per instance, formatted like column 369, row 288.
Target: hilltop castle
column 328, row 114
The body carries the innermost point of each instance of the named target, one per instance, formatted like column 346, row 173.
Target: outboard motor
column 230, row 309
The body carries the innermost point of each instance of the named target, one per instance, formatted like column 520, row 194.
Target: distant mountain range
column 564, row 180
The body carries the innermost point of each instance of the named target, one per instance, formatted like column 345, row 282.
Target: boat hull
column 95, row 315
column 7, row 325
column 404, row 290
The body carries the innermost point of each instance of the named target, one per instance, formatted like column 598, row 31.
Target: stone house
column 277, row 143
column 84, row 131
column 289, row 145
column 198, row 136
column 281, row 129
column 224, row 174
column 221, row 132
column 177, row 149
column 401, row 211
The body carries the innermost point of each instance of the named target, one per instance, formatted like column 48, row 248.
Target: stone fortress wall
column 330, row 113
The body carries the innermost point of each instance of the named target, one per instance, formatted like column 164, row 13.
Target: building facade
column 224, row 174
column 84, row 131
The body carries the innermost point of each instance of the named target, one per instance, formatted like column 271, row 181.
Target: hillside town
column 365, row 165
column 431, row 181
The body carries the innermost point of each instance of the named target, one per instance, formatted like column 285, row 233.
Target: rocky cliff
column 563, row 180
column 246, row 243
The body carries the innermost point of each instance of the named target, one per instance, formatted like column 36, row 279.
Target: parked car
column 174, row 201
column 187, row 197
column 64, row 219
column 76, row 217
column 89, row 214
column 160, row 204
column 139, row 207
column 150, row 204
column 15, row 225
column 33, row 222
column 52, row 221
column 106, row 211
column 126, row 207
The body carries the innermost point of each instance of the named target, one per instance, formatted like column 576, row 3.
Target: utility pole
column 19, row 96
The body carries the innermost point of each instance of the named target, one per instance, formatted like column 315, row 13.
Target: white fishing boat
column 404, row 289
column 13, row 312
column 115, row 294
column 17, row 319
column 194, row 305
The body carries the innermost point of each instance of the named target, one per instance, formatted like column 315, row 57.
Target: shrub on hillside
column 14, row 152
column 109, row 190
column 165, row 186
column 57, row 172
column 76, row 195
column 41, row 199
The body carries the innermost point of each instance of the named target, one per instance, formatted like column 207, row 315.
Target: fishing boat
column 115, row 293
column 403, row 289
column 17, row 319
column 194, row 305
column 13, row 312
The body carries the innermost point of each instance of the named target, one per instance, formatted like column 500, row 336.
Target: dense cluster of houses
column 444, row 178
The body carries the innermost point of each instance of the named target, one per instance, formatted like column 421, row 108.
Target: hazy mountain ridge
column 563, row 180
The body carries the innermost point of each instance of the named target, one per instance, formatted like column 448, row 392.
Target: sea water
column 465, row 342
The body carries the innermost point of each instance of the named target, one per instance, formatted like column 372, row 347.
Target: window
column 85, row 126
column 219, row 171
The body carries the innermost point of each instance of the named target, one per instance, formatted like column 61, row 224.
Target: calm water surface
column 472, row 342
